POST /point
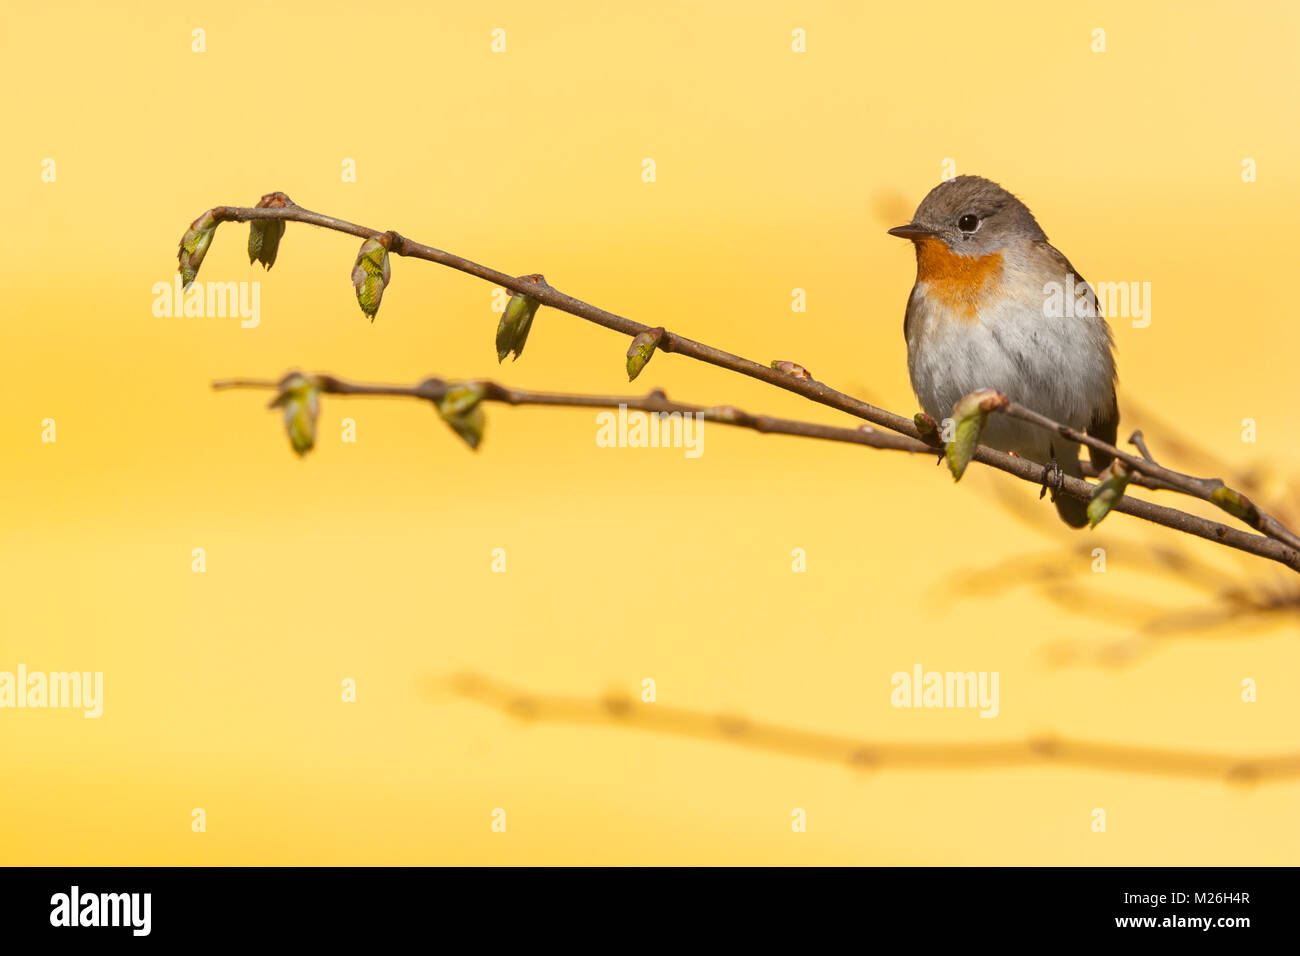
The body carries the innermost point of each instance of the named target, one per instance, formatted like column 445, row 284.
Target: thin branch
column 1137, row 439
column 1185, row 448
column 1045, row 750
column 1203, row 488
column 434, row 389
column 1281, row 545
column 549, row 295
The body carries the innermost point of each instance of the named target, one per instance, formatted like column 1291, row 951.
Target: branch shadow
column 615, row 710
column 1230, row 606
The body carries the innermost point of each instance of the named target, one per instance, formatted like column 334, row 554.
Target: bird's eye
column 968, row 223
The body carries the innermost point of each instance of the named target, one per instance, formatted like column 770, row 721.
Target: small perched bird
column 995, row 305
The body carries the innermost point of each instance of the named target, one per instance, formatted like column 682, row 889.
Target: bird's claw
column 1053, row 478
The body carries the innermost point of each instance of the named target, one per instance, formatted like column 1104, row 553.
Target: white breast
column 1059, row 366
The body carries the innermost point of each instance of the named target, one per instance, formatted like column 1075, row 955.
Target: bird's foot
column 1053, row 478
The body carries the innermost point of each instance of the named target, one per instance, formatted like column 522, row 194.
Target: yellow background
column 371, row 560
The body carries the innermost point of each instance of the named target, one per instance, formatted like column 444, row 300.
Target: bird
column 995, row 305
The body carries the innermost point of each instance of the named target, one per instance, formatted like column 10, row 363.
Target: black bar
column 977, row 906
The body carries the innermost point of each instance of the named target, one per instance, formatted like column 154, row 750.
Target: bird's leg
column 1053, row 476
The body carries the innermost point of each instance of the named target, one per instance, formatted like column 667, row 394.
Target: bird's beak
column 912, row 231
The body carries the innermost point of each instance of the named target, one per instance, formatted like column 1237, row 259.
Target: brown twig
column 1273, row 548
column 434, row 389
column 1212, row 490
column 549, row 295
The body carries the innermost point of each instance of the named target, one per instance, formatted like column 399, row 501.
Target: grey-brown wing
column 1105, row 422
column 1104, row 425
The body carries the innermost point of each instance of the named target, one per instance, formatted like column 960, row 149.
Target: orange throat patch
column 957, row 282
